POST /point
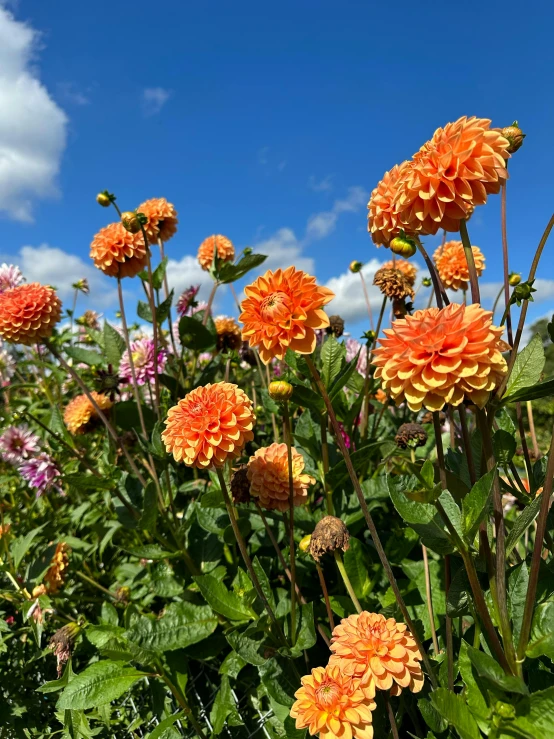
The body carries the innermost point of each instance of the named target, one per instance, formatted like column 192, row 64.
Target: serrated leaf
column 306, row 636
column 20, row 546
column 535, row 392
column 181, row 625
column 84, row 356
column 477, row 504
column 541, row 641
column 332, row 354
column 522, row 522
column 143, row 311
column 88, row 482
column 249, row 645
column 162, row 311
column 527, row 368
column 114, row 344
column 222, row 600
column 100, row 683
column 413, row 512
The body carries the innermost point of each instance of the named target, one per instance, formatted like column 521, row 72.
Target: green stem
column 369, row 520
column 390, row 713
column 468, row 251
column 154, row 326
column 182, row 701
column 288, row 442
column 367, row 301
column 346, row 580
column 440, row 293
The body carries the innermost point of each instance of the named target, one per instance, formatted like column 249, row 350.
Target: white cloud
column 349, row 301
column 53, row 266
column 324, row 185
column 186, row 272
column 284, row 249
column 32, row 126
column 154, row 99
column 322, row 224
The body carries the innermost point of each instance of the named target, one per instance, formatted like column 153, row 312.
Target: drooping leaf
column 84, row 356
column 477, row 504
column 114, row 344
column 181, row 625
column 101, row 682
column 222, row 600
column 522, row 522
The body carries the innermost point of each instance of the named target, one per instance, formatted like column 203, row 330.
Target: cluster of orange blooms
column 440, row 186
column 80, row 414
column 56, row 574
column 369, row 653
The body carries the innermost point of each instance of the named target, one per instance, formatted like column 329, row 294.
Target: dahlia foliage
column 275, row 510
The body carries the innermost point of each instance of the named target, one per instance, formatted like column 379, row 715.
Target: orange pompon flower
column 408, row 269
column 162, row 219
column 334, row 705
column 452, row 264
column 209, row 425
column 228, row 334
column 117, row 252
column 56, row 574
column 440, row 356
column 80, row 415
column 215, row 245
column 28, row 313
column 368, row 643
column 281, row 311
column 452, row 173
column 382, row 218
column 268, row 472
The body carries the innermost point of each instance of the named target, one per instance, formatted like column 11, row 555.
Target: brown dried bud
column 280, row 390
column 355, row 266
column 130, row 222
column 247, row 354
column 393, row 283
column 240, row 485
column 403, row 246
column 329, row 534
column 410, row 435
column 399, row 308
column 62, row 643
column 336, row 326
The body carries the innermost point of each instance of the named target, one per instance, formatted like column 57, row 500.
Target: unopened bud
column 515, row 136
column 130, row 221
column 104, row 199
column 247, row 251
column 426, row 282
column 403, row 246
column 514, row 279
column 329, row 534
column 355, row 266
column 304, row 545
column 280, row 390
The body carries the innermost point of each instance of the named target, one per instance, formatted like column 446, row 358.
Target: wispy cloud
column 263, row 154
column 322, row 224
column 71, row 93
column 154, row 99
column 323, row 185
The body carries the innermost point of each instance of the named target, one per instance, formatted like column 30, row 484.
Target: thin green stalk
column 390, row 713
column 325, row 595
column 182, row 701
column 440, row 293
column 369, row 520
column 367, row 301
column 506, row 275
column 346, row 580
column 495, row 305
column 468, row 251
column 288, row 442
column 325, row 460
column 166, row 295
column 208, row 310
column 154, row 326
column 429, row 599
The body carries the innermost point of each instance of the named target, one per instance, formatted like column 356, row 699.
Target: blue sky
column 269, row 123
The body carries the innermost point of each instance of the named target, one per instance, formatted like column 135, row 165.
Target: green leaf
column 504, row 446
column 332, row 354
column 459, row 595
column 181, row 625
column 100, row 683
column 88, row 482
column 541, row 641
column 535, row 392
column 279, row 680
column 232, row 664
column 476, row 693
column 149, row 509
column 162, row 311
column 357, row 562
column 527, row 368
column 144, row 312
column 264, row 582
column 223, row 706
column 493, row 675
column 432, row 717
column 114, row 344
column 344, row 377
column 477, row 504
column 159, row 273
column 413, row 512
column 222, row 600
column 522, row 522
column 518, row 583
column 128, row 418
column 537, row 721
column 193, row 335
column 454, row 709
column 22, row 544
column 249, row 645
column 165, row 724
column 229, row 272
column 150, row 551
column 84, row 356
column 307, row 398
column 338, row 474
column 306, row 636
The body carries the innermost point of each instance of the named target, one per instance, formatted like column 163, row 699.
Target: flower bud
column 304, row 545
column 130, row 221
column 515, row 136
column 329, row 534
column 355, row 266
column 104, row 199
column 514, row 279
column 81, row 285
column 247, row 251
column 403, row 246
column 426, row 282
column 280, row 390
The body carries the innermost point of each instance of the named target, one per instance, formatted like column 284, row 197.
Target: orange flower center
column 327, row 693
column 275, row 306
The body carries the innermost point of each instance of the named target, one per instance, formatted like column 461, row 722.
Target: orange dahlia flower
column 440, row 356
column 281, row 311
column 209, row 425
column 268, row 472
column 368, row 643
column 117, row 252
column 215, row 245
column 382, row 219
column 408, row 269
column 452, row 264
column 80, row 415
column 334, row 705
column 452, row 173
column 162, row 219
column 28, row 313
column 228, row 334
column 56, row 574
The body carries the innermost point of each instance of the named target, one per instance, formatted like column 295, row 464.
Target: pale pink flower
column 142, row 351
column 41, row 472
column 18, row 443
column 10, row 276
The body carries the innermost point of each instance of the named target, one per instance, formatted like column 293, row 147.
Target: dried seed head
column 329, row 534
column 410, row 435
column 336, row 326
column 62, row 643
column 240, row 485
column 393, row 283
